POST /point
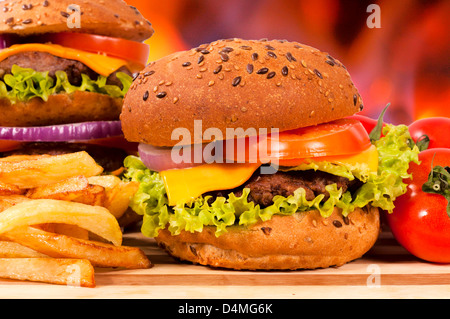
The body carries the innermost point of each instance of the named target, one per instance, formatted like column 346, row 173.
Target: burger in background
column 65, row 67
column 319, row 208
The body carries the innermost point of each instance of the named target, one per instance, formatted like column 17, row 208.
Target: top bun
column 112, row 18
column 237, row 84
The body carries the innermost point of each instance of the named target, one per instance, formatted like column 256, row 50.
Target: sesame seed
column 314, row 222
column 318, row 73
column 218, row 69
column 211, row 83
column 262, row 71
column 5, row 9
column 285, row 71
column 149, row 73
column 236, row 81
column 271, row 75
column 304, row 64
column 175, row 100
column 266, row 230
column 161, row 95
column 272, row 54
column 337, row 224
column 289, row 57
column 224, row 56
column 199, row 76
column 169, row 83
column 250, row 68
column 145, row 97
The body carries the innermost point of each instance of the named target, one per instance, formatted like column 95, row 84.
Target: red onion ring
column 63, row 133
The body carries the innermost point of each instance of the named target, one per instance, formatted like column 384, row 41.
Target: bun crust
column 110, row 18
column 237, row 84
column 302, row 241
column 60, row 109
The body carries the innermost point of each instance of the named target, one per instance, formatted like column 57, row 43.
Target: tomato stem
column 438, row 183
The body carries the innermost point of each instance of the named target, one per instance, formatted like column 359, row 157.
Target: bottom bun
column 301, row 241
column 60, row 109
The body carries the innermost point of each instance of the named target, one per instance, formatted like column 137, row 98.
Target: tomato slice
column 338, row 138
column 132, row 51
column 6, row 145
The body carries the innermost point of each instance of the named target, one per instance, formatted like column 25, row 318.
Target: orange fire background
column 405, row 62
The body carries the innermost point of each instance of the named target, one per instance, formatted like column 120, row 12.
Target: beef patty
column 43, row 62
column 264, row 187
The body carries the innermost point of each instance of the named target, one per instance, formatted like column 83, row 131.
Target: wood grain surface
column 387, row 270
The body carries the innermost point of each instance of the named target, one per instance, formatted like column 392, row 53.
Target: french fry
column 65, row 229
column 44, row 170
column 118, row 193
column 95, row 219
column 118, row 199
column 71, row 272
column 9, row 201
column 62, row 246
column 8, row 189
column 9, row 249
column 74, row 189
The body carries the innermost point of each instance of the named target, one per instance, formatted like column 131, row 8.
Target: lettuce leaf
column 379, row 189
column 24, row 84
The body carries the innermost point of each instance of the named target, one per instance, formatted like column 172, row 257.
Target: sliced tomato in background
column 337, row 138
column 133, row 51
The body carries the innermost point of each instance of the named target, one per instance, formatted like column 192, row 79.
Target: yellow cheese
column 185, row 185
column 101, row 64
column 368, row 157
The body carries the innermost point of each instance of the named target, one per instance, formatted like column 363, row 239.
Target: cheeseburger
column 65, row 66
column 318, row 207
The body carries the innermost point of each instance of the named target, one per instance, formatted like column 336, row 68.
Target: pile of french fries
column 59, row 219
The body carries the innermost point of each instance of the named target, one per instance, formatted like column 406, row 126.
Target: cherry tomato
column 340, row 137
column 420, row 222
column 436, row 128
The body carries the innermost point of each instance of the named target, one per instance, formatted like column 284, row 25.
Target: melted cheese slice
column 368, row 157
column 101, row 64
column 185, row 185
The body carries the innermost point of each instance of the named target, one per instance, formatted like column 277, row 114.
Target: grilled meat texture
column 264, row 187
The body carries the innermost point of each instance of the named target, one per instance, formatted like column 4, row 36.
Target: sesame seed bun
column 237, row 84
column 301, row 241
column 105, row 17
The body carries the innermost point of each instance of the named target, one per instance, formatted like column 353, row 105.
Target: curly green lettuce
column 380, row 189
column 24, row 84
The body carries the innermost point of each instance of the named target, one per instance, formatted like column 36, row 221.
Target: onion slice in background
column 63, row 133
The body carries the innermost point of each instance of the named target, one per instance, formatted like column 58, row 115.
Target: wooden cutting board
column 386, row 271
column 386, row 263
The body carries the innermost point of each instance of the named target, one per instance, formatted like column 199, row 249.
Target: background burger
column 321, row 206
column 62, row 84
